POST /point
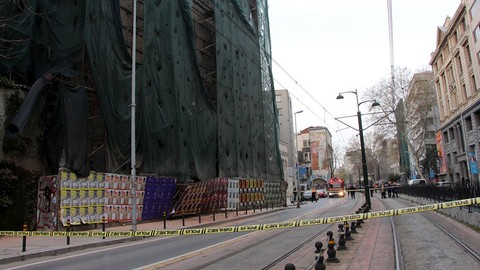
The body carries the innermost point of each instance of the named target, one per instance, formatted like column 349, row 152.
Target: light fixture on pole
column 362, row 142
column 296, row 157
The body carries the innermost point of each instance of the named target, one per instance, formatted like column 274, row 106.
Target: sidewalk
column 11, row 247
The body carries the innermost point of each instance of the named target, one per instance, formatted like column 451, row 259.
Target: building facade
column 423, row 122
column 286, row 138
column 315, row 156
column 455, row 63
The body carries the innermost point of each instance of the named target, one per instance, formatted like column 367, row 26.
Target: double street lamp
column 297, row 165
column 362, row 143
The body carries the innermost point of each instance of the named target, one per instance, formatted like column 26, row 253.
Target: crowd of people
column 390, row 188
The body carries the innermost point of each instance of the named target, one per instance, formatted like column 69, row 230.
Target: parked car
column 417, row 182
column 444, row 184
column 307, row 195
column 321, row 193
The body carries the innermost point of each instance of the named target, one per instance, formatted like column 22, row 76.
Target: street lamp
column 362, row 143
column 296, row 156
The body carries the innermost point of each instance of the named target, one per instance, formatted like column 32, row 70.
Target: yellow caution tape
column 249, row 228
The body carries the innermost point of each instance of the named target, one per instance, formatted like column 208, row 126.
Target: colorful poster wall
column 159, row 194
column 251, row 192
column 203, row 197
column 47, row 203
column 81, row 199
column 119, row 199
column 233, row 195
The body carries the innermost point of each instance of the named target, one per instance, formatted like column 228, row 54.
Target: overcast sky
column 331, row 46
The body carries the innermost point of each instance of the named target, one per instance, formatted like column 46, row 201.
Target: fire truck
column 336, row 187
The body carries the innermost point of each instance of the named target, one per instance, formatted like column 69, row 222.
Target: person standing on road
column 352, row 192
column 395, row 190
column 389, row 189
column 382, row 191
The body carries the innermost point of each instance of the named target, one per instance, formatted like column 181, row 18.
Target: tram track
column 410, row 234
column 223, row 254
column 475, row 255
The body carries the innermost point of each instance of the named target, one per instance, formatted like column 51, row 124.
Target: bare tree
column 417, row 99
column 334, row 158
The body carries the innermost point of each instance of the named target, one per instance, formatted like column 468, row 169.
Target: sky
column 323, row 47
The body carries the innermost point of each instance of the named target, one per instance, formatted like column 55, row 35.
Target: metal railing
column 444, row 194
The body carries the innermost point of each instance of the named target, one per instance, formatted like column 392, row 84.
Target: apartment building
column 315, row 156
column 423, row 121
column 455, row 63
column 287, row 137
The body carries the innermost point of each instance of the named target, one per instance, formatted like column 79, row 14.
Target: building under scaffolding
column 205, row 99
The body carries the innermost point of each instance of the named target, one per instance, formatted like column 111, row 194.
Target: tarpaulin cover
column 180, row 132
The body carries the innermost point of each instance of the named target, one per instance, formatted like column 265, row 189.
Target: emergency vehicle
column 336, row 187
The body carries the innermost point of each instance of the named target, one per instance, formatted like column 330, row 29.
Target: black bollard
column 342, row 242
column 330, row 235
column 348, row 236
column 199, row 217
column 164, row 220
column 359, row 223
column 319, row 256
column 213, row 213
column 289, row 266
column 103, row 227
column 183, row 218
column 253, row 208
column 246, row 209
column 68, row 232
column 226, row 214
column 353, row 228
column 331, row 252
column 236, row 209
column 320, row 265
column 24, row 239
column 318, row 249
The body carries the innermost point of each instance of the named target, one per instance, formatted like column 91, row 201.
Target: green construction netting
column 180, row 132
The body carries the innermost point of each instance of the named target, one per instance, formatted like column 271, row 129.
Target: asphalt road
column 183, row 252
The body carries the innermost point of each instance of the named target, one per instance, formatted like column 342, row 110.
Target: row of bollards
column 345, row 231
column 68, row 226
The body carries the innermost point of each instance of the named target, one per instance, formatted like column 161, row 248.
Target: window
column 464, row 92
column 476, row 116
column 468, row 123
column 468, row 56
column 306, row 156
column 450, row 78
column 445, row 136
column 474, row 10
column 473, row 85
column 476, row 33
column 429, row 134
column 305, row 143
column 451, row 134
column 459, row 64
column 278, row 98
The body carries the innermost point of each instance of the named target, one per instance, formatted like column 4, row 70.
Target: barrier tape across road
column 249, row 228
